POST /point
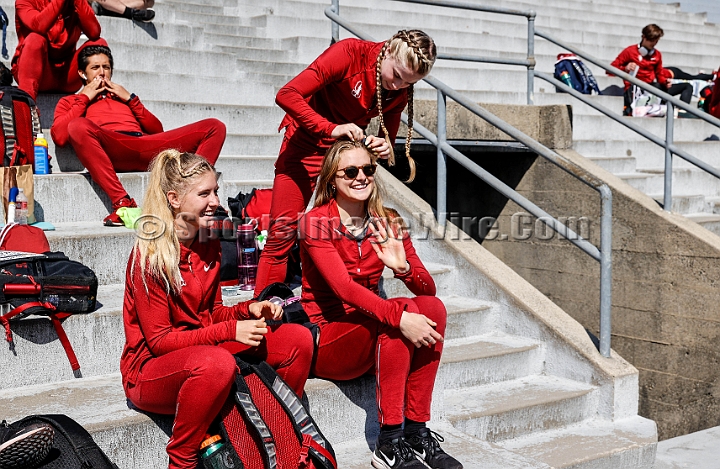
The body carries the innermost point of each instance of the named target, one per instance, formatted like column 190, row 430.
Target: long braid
column 378, row 95
column 408, row 140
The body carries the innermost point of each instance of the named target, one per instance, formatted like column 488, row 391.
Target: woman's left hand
column 378, row 146
column 388, row 245
column 265, row 309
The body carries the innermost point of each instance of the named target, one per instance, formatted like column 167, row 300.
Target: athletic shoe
column 144, row 16
column 395, row 454
column 114, row 219
column 426, row 444
column 27, row 447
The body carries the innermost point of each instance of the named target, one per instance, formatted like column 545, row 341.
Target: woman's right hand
column 250, row 332
column 419, row 329
column 351, row 131
column 632, row 66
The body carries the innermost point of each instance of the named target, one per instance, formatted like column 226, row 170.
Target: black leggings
column 680, row 75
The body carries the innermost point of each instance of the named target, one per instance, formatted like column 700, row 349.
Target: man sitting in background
column 110, row 130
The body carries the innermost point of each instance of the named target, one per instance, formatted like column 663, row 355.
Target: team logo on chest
column 357, row 91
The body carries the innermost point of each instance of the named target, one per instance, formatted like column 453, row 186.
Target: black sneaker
column 144, row 16
column 395, row 454
column 27, row 447
column 426, row 444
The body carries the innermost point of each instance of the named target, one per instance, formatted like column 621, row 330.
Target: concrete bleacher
column 520, row 385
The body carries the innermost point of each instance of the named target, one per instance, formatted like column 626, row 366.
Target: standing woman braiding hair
column 350, row 83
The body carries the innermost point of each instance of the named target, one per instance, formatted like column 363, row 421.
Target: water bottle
column 247, row 256
column 12, row 195
column 21, row 208
column 42, row 165
column 215, row 454
column 565, row 77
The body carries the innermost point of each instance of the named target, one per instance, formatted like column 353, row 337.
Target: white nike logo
column 421, row 455
column 391, row 462
column 207, row 267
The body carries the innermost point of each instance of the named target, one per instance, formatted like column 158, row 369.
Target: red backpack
column 20, row 124
column 268, row 426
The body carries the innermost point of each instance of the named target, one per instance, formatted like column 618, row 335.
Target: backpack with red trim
column 268, row 425
column 20, row 124
column 47, row 284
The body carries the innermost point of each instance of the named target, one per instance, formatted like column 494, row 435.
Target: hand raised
column 266, row 309
column 351, row 131
column 251, row 331
column 388, row 245
column 94, row 87
column 419, row 330
column 378, row 146
column 117, row 90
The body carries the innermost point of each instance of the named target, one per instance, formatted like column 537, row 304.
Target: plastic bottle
column 21, row 208
column 41, row 155
column 247, row 256
column 565, row 77
column 11, row 205
column 216, row 455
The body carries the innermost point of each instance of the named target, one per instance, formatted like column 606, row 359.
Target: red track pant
column 105, row 152
column 404, row 374
column 193, row 384
column 35, row 73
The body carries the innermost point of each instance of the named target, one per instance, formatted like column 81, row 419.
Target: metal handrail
column 603, row 255
column 667, row 143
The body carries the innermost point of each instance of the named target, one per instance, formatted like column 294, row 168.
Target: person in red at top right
column 645, row 63
column 48, row 32
column 337, row 96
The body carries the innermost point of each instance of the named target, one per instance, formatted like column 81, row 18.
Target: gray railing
column 667, row 143
column 602, row 255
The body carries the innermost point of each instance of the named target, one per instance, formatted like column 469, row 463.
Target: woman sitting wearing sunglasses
column 346, row 241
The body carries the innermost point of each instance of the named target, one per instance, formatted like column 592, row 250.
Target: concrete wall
column 665, row 289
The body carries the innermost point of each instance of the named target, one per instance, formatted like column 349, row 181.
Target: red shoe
column 114, row 219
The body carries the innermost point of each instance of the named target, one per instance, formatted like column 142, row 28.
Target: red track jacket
column 106, row 111
column 157, row 322
column 337, row 88
column 341, row 275
column 651, row 69
column 61, row 21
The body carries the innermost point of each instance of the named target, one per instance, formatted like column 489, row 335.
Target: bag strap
column 308, row 446
column 55, row 318
column 252, row 416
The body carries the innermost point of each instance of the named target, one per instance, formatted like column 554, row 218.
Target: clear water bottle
column 215, row 454
column 247, row 256
column 21, row 208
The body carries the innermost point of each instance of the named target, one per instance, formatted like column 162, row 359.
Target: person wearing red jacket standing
column 645, row 63
column 111, row 131
column 179, row 338
column 337, row 96
column 346, row 241
column 48, row 32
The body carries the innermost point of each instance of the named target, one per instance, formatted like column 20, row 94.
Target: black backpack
column 46, row 284
column 72, row 446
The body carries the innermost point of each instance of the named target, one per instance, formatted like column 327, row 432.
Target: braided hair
column 416, row 50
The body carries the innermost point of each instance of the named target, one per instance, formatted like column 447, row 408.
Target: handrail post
column 531, row 59
column 669, row 122
column 605, row 270
column 441, row 163
column 334, row 27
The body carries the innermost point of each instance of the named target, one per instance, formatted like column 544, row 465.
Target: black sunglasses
column 351, row 172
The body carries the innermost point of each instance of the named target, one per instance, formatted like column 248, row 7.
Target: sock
column 390, row 432
column 412, row 427
column 127, row 13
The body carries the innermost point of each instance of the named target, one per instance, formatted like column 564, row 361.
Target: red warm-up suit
column 337, row 88
column 650, row 68
column 359, row 330
column 171, row 362
column 48, row 32
column 110, row 135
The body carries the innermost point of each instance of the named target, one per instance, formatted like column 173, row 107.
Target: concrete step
column 648, row 154
column 686, row 204
column 600, row 128
column 623, row 444
column 510, row 409
column 685, row 181
column 614, row 164
column 709, row 221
